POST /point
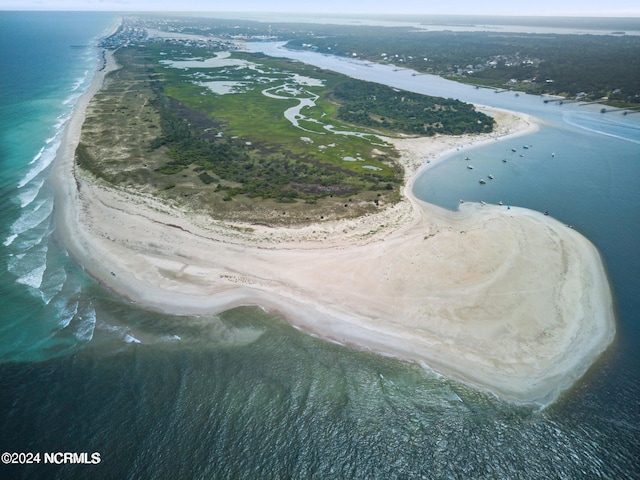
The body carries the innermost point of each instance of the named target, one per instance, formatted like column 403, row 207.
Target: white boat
column 481, row 181
column 490, row 177
column 470, row 167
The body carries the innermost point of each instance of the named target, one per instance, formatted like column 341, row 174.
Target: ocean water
column 245, row 395
column 46, row 60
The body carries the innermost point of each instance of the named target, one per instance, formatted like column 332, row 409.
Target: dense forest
column 589, row 66
column 375, row 105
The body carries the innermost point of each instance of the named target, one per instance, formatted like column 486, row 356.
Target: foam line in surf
column 39, row 154
column 31, row 219
column 62, row 119
column 45, row 158
column 85, row 330
column 9, row 240
column 33, row 279
column 67, row 310
column 52, row 283
column 30, row 192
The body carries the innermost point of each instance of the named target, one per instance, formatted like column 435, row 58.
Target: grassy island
column 252, row 138
column 509, row 300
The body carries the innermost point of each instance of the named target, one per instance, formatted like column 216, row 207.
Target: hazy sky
column 471, row 7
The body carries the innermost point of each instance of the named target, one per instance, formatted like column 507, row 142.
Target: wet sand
column 508, row 300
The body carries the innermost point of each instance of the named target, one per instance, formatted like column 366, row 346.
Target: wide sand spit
column 508, row 300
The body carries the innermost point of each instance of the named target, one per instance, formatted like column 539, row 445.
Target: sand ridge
column 510, row 301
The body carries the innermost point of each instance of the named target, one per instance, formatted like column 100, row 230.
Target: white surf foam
column 33, row 279
column 9, row 240
column 67, row 309
column 44, row 160
column 27, row 242
column 31, row 219
column 81, row 80
column 87, row 326
column 30, row 192
column 52, row 283
column 71, row 99
column 39, row 154
column 62, row 119
column 29, row 266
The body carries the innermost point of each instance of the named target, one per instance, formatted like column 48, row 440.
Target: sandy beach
column 508, row 300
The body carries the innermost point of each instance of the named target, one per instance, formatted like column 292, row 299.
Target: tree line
column 379, row 106
column 596, row 65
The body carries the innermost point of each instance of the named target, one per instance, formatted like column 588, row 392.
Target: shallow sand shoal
column 510, row 301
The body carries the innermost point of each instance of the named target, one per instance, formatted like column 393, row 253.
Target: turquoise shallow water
column 244, row 395
column 49, row 59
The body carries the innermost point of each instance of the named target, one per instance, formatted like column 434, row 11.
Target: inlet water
column 244, row 395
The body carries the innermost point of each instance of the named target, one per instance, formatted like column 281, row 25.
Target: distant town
column 593, row 68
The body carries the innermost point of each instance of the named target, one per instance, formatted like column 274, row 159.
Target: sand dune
column 508, row 300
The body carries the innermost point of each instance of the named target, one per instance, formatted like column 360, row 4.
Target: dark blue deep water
column 243, row 394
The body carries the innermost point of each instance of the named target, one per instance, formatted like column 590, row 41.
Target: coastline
column 512, row 302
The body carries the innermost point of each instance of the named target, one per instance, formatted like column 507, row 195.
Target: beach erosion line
column 512, row 302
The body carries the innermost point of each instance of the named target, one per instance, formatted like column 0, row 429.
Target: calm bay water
column 244, row 395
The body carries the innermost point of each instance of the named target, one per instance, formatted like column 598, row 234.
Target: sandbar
column 507, row 300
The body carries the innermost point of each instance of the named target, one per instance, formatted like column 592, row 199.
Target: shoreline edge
column 453, row 290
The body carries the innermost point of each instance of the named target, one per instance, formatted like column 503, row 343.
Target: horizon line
column 621, row 15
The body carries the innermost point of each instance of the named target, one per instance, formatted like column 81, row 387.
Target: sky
column 623, row 8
